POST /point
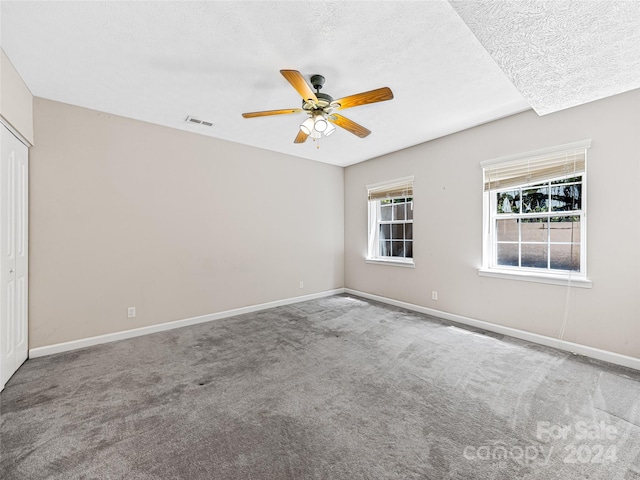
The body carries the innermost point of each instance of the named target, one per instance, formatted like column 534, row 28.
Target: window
column 535, row 215
column 391, row 222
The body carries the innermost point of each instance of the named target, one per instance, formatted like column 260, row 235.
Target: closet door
column 14, row 195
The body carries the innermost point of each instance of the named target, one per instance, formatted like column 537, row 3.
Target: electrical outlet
column 301, row 284
column 434, row 295
column 131, row 312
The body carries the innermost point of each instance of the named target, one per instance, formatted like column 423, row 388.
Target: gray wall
column 125, row 213
column 448, row 227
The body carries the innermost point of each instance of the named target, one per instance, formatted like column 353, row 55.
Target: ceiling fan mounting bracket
column 317, row 81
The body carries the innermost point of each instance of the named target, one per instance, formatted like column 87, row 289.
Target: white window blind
column 505, row 173
column 401, row 187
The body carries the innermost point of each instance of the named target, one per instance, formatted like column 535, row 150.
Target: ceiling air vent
column 197, row 121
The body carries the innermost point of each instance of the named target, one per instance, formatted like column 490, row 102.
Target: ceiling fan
column 321, row 107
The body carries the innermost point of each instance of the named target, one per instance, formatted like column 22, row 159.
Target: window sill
column 575, row 280
column 394, row 262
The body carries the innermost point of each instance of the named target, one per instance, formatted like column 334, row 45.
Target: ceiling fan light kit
column 307, row 126
column 319, row 123
column 320, row 107
column 330, row 129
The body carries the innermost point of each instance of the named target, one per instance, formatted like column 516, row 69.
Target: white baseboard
column 576, row 348
column 137, row 332
column 604, row 355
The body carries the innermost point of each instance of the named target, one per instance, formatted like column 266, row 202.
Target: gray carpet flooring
column 335, row 388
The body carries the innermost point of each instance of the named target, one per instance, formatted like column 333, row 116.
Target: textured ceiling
column 161, row 61
column 560, row 54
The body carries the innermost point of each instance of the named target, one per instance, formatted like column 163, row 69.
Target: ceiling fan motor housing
column 324, row 100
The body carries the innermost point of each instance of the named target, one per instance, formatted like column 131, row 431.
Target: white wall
column 448, row 227
column 16, row 101
column 125, row 213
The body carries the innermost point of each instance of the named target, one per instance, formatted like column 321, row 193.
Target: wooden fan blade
column 372, row 96
column 271, row 112
column 298, row 82
column 349, row 125
column 301, row 137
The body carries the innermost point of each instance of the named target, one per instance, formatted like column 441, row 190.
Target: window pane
column 567, row 180
column 565, row 257
column 408, row 231
column 508, row 254
column 385, row 249
column 397, row 249
column 565, row 229
column 534, row 229
column 385, row 212
column 507, row 230
column 566, row 197
column 385, row 232
column 410, row 211
column 509, row 202
column 398, row 211
column 534, row 255
column 408, row 252
column 535, row 199
column 397, row 230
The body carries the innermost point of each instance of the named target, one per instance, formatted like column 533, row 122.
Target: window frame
column 489, row 267
column 374, row 207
